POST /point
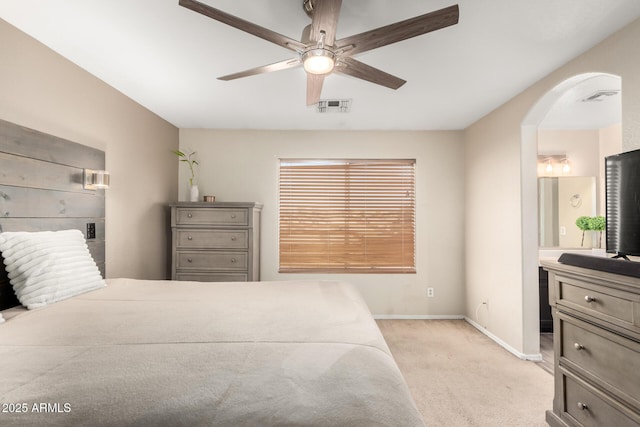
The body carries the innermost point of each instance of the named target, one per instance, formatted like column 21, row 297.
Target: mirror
column 562, row 200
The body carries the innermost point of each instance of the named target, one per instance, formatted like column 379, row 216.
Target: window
column 347, row 216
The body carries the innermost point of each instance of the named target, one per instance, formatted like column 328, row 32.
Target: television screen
column 622, row 184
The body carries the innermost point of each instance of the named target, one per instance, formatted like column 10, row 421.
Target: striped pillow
column 48, row 266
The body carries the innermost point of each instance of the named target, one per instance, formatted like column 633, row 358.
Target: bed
column 78, row 350
column 190, row 353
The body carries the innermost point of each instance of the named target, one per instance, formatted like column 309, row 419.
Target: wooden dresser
column 596, row 319
column 215, row 242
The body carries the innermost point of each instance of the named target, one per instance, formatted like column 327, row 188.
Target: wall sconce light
column 566, row 167
column 95, row 179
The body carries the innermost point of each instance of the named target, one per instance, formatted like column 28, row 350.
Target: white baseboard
column 520, row 355
column 417, row 317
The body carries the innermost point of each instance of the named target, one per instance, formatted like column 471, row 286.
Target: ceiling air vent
column 334, row 106
column 600, row 95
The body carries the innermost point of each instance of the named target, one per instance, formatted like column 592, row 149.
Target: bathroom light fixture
column 549, row 167
column 554, row 165
column 95, row 179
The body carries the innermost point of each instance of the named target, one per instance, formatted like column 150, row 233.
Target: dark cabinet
column 546, row 321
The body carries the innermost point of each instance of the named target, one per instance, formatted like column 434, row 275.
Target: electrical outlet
column 91, row 230
column 430, row 292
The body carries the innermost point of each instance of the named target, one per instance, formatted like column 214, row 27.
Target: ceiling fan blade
column 355, row 68
column 314, row 87
column 243, row 25
column 282, row 65
column 325, row 18
column 399, row 31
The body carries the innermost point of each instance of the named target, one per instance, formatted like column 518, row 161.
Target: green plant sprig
column 591, row 223
column 189, row 159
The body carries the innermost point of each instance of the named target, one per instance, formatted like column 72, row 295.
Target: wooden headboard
column 41, row 189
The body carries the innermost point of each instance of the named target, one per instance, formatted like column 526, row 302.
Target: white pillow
column 48, row 266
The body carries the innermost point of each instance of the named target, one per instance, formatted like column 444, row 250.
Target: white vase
column 194, row 194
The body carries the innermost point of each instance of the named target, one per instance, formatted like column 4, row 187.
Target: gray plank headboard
column 41, row 189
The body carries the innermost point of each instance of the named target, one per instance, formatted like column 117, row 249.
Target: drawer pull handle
column 189, row 215
column 589, row 298
column 583, row 406
column 233, row 238
column 233, row 260
column 233, row 216
column 189, row 260
column 189, row 238
column 578, row 346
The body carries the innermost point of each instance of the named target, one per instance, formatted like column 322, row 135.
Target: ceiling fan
column 320, row 53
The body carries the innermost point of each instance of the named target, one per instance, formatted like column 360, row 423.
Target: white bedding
column 48, row 266
column 191, row 353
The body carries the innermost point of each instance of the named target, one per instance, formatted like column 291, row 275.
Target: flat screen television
column 622, row 186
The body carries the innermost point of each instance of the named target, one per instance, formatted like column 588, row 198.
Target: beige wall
column 41, row 90
column 501, row 260
column 243, row 166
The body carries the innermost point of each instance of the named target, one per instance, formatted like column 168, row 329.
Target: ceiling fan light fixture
column 321, row 52
column 318, row 61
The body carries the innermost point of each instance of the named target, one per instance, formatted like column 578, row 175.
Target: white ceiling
column 167, row 57
column 580, row 107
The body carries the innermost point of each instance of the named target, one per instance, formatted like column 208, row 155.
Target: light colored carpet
column 459, row 377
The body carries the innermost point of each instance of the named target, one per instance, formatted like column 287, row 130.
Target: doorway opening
column 554, row 128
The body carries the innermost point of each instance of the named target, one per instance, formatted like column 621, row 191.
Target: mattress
column 189, row 353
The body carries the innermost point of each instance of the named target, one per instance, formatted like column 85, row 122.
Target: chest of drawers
column 596, row 318
column 216, row 242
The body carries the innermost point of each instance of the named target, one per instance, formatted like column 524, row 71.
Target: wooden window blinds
column 347, row 216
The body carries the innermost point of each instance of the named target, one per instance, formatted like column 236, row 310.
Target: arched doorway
column 529, row 146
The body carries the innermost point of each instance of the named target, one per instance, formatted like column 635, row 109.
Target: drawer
column 212, row 277
column 211, row 216
column 605, row 356
column 214, row 239
column 599, row 302
column 211, row 260
column 589, row 407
